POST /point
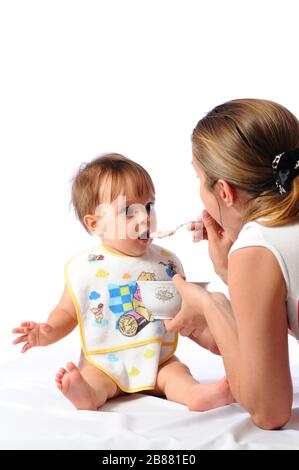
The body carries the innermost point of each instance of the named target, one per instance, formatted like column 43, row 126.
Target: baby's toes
column 59, row 376
column 71, row 367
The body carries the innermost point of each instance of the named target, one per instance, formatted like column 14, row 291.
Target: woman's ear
column 91, row 222
column 226, row 193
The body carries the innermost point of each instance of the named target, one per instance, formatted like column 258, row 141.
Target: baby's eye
column 127, row 211
column 149, row 206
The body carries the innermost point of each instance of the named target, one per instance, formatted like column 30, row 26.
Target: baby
column 124, row 349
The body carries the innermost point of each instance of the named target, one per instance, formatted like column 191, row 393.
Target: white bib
column 118, row 335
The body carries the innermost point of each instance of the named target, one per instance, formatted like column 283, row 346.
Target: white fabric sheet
column 34, row 414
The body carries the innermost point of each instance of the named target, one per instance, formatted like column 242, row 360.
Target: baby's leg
column 87, row 387
column 177, row 384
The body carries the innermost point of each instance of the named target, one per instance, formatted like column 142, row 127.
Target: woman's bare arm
column 253, row 340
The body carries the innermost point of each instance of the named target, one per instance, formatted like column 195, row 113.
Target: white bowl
column 160, row 298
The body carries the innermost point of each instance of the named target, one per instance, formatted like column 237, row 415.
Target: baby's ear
column 90, row 222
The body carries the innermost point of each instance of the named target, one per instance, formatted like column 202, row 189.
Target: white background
column 80, row 78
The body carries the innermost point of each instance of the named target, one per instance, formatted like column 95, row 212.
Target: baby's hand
column 33, row 334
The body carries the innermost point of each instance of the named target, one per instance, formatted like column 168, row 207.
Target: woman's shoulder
column 256, row 233
column 250, row 235
column 280, row 242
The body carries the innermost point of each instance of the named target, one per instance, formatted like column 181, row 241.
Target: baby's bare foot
column 75, row 388
column 205, row 397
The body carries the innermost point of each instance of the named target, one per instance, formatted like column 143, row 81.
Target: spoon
column 168, row 233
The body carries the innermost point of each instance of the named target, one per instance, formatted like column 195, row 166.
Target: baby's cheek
column 107, row 227
column 131, row 229
column 100, row 228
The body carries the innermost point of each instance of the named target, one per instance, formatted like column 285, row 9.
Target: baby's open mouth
column 145, row 235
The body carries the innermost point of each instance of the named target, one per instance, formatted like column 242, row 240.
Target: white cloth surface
column 35, row 415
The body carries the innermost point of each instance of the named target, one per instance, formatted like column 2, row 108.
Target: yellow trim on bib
column 124, row 389
column 140, row 389
column 76, row 305
column 112, row 252
column 175, row 344
column 128, row 346
column 140, row 343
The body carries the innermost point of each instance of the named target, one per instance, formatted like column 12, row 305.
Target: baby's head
column 114, row 198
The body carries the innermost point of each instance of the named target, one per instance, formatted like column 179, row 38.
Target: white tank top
column 283, row 242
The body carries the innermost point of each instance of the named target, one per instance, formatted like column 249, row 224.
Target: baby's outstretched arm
column 61, row 321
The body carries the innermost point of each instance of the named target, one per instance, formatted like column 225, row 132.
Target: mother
column 246, row 155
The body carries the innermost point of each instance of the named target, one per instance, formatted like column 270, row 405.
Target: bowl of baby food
column 160, row 298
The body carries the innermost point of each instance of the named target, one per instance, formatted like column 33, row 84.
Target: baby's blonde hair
column 105, row 178
column 237, row 142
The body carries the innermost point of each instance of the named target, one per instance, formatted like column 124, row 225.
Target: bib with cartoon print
column 118, row 334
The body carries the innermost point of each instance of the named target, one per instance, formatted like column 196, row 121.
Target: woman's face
column 225, row 204
column 208, row 198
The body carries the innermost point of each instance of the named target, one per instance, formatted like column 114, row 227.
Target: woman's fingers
column 190, row 314
column 175, row 324
column 186, row 331
column 206, row 228
column 181, row 284
column 179, row 281
column 213, row 229
column 198, row 230
column 204, row 338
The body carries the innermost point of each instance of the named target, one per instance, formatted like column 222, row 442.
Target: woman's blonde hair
column 105, row 178
column 237, row 142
